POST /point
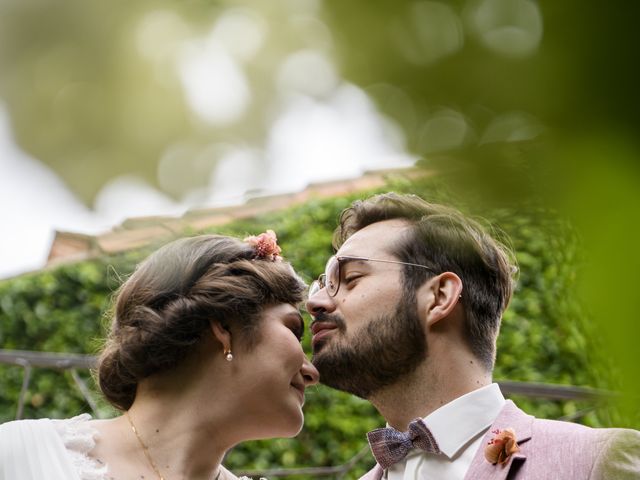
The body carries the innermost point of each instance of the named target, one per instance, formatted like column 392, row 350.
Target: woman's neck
column 186, row 433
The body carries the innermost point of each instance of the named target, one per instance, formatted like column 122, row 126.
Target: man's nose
column 320, row 302
column 310, row 373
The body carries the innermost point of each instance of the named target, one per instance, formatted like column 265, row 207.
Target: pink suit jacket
column 554, row 450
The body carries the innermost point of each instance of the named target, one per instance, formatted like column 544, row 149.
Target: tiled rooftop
column 138, row 232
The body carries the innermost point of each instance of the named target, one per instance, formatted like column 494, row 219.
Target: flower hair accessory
column 501, row 446
column 265, row 246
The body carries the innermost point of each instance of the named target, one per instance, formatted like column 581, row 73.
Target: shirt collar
column 458, row 422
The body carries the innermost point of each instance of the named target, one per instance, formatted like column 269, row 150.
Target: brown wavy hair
column 162, row 310
column 444, row 239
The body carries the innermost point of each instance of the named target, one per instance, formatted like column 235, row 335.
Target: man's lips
column 320, row 330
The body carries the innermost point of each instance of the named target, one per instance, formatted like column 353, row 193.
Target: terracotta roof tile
column 141, row 231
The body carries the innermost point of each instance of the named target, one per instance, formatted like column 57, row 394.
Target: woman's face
column 275, row 372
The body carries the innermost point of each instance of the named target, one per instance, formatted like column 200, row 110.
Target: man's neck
column 427, row 389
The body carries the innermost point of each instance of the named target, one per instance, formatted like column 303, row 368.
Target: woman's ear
column 446, row 291
column 222, row 334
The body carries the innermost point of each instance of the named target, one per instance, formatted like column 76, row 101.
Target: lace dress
column 78, row 438
column 51, row 449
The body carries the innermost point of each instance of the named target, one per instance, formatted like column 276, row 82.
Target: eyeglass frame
column 321, row 282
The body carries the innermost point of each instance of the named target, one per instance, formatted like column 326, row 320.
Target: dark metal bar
column 84, row 390
column 62, row 361
column 23, row 391
column 538, row 390
column 339, row 470
column 553, row 391
column 71, row 362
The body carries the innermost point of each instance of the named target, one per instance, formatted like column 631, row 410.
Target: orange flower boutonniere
column 501, row 446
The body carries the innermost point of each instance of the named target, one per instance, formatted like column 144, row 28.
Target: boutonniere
column 501, row 446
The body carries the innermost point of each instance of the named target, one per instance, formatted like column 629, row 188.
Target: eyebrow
column 352, row 258
column 348, row 259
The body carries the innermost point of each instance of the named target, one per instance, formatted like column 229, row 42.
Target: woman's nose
column 310, row 373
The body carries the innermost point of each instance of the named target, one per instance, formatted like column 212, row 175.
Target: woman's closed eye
column 295, row 324
column 298, row 331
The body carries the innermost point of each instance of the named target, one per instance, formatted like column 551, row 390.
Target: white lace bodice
column 79, row 439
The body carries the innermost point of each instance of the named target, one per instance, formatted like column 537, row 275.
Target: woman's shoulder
column 34, row 449
column 19, row 433
column 78, row 434
column 21, row 425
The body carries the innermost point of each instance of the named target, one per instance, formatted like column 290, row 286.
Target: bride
column 203, row 353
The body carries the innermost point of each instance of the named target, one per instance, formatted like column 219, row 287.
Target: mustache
column 335, row 319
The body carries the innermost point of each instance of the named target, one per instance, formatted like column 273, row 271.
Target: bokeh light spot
column 445, row 130
column 242, row 32
column 512, row 127
column 215, row 86
column 159, row 34
column 427, row 32
column 508, row 27
column 308, row 72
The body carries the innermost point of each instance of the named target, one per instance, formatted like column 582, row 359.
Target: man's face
column 369, row 334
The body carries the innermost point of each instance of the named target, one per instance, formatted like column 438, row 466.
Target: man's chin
column 319, row 348
column 317, row 356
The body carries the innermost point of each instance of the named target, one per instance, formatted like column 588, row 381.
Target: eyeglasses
column 330, row 279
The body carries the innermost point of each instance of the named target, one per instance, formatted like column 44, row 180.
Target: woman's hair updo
column 162, row 310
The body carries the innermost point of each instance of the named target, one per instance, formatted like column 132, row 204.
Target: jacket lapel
column 510, row 417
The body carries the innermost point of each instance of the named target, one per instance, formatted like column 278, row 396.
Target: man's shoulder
column 604, row 452
column 568, row 449
column 571, row 436
column 542, row 426
column 568, row 430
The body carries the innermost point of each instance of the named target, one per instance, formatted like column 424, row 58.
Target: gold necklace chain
column 145, row 450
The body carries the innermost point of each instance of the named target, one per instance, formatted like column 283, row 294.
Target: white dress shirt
column 458, row 427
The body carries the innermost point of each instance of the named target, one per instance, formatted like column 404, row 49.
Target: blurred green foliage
column 547, row 334
column 512, row 102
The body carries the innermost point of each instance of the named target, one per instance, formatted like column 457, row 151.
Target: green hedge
column 546, row 335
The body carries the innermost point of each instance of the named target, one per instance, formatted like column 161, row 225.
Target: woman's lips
column 300, row 391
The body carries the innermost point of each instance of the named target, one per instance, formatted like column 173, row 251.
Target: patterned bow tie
column 390, row 446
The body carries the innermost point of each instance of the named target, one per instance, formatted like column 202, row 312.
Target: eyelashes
column 298, row 331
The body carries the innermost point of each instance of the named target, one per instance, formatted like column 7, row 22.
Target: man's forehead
column 376, row 238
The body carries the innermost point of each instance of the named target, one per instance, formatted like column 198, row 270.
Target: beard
column 388, row 348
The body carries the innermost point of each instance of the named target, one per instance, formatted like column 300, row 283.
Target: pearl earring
column 228, row 355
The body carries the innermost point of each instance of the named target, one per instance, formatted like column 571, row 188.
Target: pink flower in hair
column 265, row 245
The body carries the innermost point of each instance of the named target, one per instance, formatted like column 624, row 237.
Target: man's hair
column 162, row 310
column 445, row 240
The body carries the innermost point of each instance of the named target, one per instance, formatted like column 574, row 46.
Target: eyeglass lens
column 332, row 276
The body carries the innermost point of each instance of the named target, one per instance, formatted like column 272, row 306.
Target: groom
column 406, row 316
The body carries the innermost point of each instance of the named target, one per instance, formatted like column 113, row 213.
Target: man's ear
column 222, row 334
column 445, row 293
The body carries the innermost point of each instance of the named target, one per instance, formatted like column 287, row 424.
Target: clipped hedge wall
column 546, row 335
